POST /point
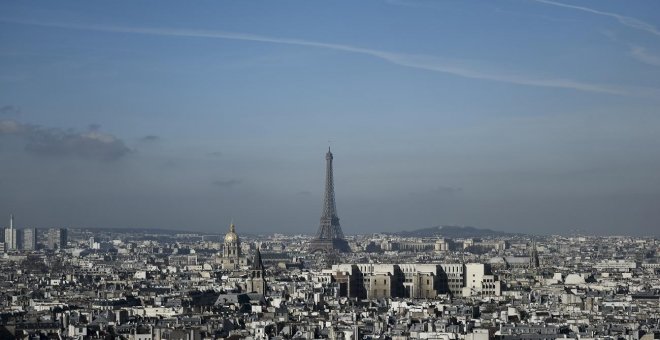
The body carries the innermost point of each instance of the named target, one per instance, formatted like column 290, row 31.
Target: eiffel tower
column 329, row 237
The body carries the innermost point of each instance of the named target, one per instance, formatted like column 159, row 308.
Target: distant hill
column 451, row 232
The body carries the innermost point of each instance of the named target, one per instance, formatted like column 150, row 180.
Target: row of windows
column 453, row 269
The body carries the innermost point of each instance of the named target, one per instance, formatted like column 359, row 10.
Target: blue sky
column 519, row 115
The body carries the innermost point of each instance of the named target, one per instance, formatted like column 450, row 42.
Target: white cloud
column 624, row 20
column 425, row 62
column 642, row 55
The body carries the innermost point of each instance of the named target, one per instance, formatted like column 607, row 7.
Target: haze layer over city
column 536, row 117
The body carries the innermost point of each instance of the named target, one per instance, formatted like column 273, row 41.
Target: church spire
column 534, row 256
column 256, row 282
column 257, row 263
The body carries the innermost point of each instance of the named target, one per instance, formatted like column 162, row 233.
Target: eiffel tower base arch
column 328, row 245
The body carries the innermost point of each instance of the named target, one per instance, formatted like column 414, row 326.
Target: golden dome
column 231, row 236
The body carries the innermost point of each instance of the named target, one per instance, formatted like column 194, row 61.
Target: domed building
column 232, row 258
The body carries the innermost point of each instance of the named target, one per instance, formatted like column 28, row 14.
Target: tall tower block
column 329, row 237
column 10, row 238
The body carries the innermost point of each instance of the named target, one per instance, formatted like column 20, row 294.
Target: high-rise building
column 329, row 237
column 19, row 238
column 29, row 239
column 57, row 238
column 2, row 240
column 10, row 235
column 10, row 239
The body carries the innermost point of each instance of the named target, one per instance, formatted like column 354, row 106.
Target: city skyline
column 534, row 116
column 164, row 286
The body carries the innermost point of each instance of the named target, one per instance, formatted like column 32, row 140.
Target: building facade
column 417, row 281
column 29, row 239
column 479, row 281
column 58, row 238
column 11, row 239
